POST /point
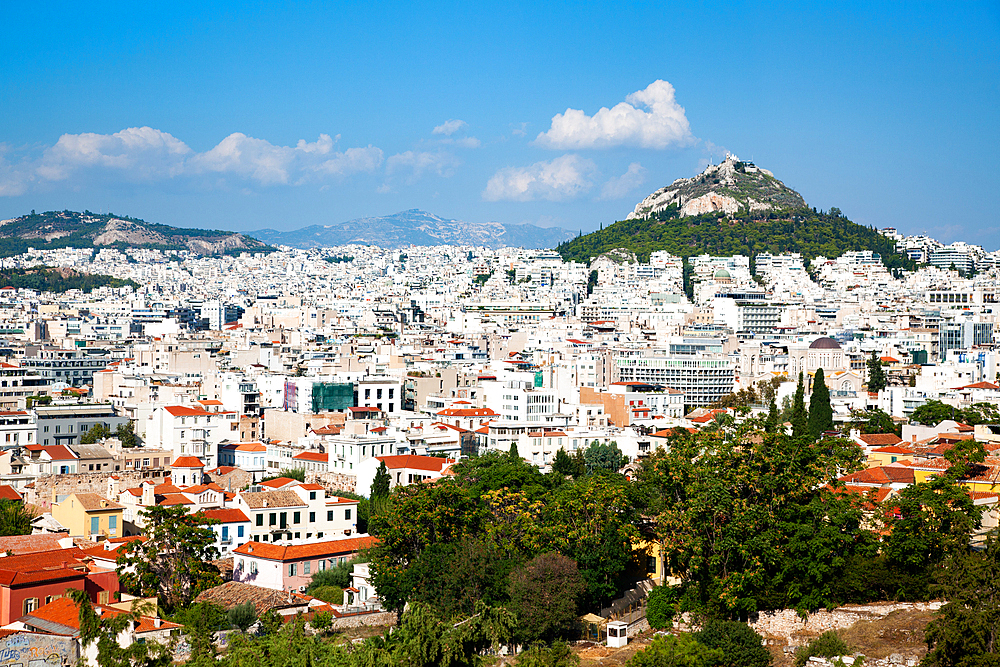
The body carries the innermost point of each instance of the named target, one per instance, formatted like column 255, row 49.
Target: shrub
column 242, row 616
column 679, row 651
column 660, row 607
column 827, row 645
column 331, row 594
column 741, row 646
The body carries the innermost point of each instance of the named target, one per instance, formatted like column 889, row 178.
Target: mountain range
column 416, row 227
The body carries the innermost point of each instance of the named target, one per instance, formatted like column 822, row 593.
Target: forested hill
column 45, row 279
column 803, row 230
column 71, row 229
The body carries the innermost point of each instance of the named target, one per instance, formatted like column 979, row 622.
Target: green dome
column 722, row 273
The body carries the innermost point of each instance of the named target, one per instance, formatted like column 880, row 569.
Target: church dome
column 722, row 273
column 824, row 344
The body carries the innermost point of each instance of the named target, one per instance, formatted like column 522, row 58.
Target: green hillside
column 45, row 279
column 803, row 230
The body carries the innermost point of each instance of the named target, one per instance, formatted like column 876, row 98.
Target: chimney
column 156, row 621
column 913, row 438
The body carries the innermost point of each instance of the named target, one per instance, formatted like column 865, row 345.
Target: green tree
column 606, row 458
column 820, row 411
column 201, row 621
column 95, row 434
column 660, row 607
column 966, row 630
column 105, row 630
column 15, row 518
column 539, row 655
column 563, row 464
column 676, row 651
column 827, row 645
column 773, row 419
column 172, row 563
column 381, row 483
column 874, row 421
column 127, row 435
column 543, row 595
column 931, row 520
column 242, row 616
column 876, row 374
column 513, row 451
column 331, row 594
column 754, row 521
column 800, row 419
column 741, row 646
column 298, row 474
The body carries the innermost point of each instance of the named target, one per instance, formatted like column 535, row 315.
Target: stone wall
column 333, row 481
column 40, row 493
column 235, row 480
column 376, row 619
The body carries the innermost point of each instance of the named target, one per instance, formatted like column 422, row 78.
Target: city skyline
column 280, row 117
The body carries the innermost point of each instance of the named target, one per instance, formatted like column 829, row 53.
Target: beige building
column 88, row 515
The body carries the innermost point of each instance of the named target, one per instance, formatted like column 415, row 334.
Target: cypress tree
column 820, row 412
column 800, row 420
column 876, row 374
column 513, row 451
column 771, row 423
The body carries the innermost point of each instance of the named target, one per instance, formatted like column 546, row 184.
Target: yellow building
column 884, row 456
column 89, row 515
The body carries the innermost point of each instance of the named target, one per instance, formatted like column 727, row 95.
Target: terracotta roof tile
column 323, row 549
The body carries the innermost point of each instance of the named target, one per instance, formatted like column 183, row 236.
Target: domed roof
column 722, row 273
column 824, row 344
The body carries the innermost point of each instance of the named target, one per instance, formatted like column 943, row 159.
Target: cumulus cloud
column 145, row 154
column 623, row 185
column 564, row 177
column 450, row 127
column 662, row 125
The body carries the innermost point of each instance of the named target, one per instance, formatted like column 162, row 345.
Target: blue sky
column 244, row 116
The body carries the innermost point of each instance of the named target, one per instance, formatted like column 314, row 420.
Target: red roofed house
column 403, row 469
column 32, row 580
column 232, row 530
column 62, row 618
column 191, row 431
column 311, row 461
column 290, row 567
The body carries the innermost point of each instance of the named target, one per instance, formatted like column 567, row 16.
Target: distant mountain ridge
column 416, row 227
column 65, row 229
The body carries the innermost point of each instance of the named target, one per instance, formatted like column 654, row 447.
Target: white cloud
column 450, row 127
column 662, row 126
column 417, row 163
column 621, row 186
column 142, row 153
column 145, row 154
column 564, row 177
column 463, row 142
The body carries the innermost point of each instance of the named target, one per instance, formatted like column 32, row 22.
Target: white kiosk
column 617, row 634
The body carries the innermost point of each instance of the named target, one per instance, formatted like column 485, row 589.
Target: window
column 260, row 519
column 30, row 605
column 253, row 567
column 292, row 569
column 347, row 514
column 102, row 597
column 296, row 517
column 272, row 519
column 312, row 495
column 225, row 533
column 321, row 564
column 95, row 525
column 329, row 515
column 239, row 531
column 305, row 567
column 312, row 517
column 112, row 524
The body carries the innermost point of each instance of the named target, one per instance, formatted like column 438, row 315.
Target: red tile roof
column 227, row 515
column 8, row 492
column 429, row 463
column 187, row 462
column 322, row 549
column 279, row 482
column 880, row 439
column 312, row 456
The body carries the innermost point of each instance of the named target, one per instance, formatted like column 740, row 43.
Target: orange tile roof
column 323, row 549
column 879, row 439
column 227, row 515
column 279, row 482
column 312, row 456
column 187, row 462
column 429, row 463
